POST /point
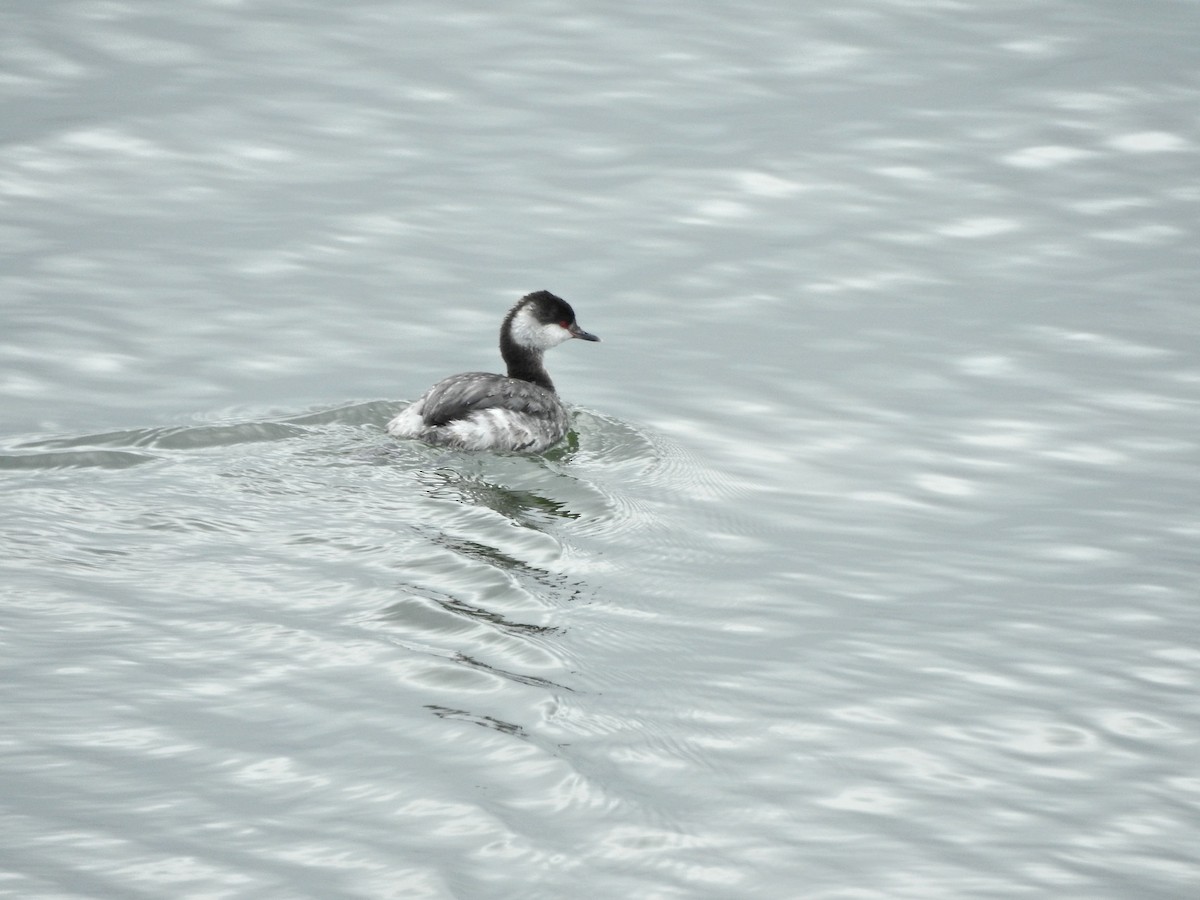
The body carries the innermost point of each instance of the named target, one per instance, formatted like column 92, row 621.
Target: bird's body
column 520, row 411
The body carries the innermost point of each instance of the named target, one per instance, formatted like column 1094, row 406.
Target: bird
column 520, row 411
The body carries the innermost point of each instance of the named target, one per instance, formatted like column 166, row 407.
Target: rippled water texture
column 869, row 567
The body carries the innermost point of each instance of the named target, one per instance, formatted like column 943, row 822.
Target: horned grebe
column 520, row 411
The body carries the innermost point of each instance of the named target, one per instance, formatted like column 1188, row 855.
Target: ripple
column 74, row 459
column 1136, row 725
column 1149, row 142
column 1046, row 156
column 865, row 799
column 1053, row 740
column 176, row 438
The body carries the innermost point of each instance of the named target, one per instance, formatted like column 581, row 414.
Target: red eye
column 566, row 325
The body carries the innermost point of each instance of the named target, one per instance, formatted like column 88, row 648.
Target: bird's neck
column 524, row 363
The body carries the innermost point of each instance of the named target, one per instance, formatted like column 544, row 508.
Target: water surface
column 868, row 569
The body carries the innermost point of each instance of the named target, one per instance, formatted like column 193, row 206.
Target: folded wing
column 461, row 395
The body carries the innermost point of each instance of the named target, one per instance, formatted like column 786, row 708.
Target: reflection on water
column 523, row 507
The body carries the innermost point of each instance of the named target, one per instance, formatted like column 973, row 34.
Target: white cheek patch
column 553, row 335
column 529, row 332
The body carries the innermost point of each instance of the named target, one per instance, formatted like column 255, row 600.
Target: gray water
column 868, row 571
